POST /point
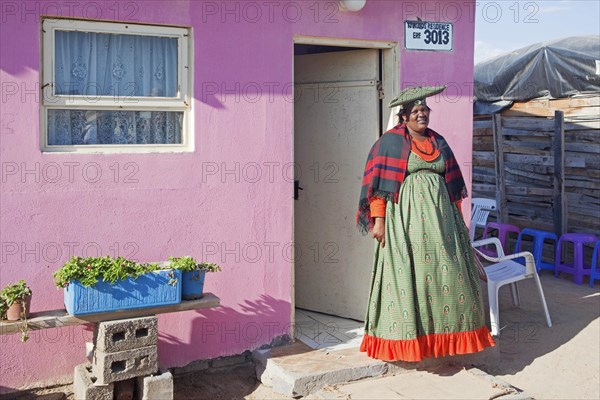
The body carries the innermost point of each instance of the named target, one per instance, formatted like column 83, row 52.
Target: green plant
column 90, row 270
column 15, row 292
column 188, row 263
column 3, row 308
column 24, row 331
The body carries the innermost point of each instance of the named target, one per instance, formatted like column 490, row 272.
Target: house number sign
column 423, row 35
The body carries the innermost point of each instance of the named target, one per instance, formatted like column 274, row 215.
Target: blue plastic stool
column 538, row 237
column 577, row 268
column 594, row 270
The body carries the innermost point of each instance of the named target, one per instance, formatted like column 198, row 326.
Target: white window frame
column 182, row 102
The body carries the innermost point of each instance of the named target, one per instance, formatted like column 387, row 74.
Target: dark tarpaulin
column 552, row 69
column 483, row 108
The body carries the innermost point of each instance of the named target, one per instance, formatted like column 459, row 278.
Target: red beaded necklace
column 428, row 152
column 428, row 149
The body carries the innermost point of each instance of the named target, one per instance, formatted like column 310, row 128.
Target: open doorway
column 342, row 89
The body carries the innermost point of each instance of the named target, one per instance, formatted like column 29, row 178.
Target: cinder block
column 85, row 385
column 126, row 334
column 112, row 367
column 155, row 387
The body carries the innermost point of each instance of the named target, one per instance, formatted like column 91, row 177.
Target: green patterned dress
column 425, row 294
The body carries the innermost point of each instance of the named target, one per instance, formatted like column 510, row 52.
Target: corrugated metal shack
column 536, row 137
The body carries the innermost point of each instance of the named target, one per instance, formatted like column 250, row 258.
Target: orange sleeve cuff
column 377, row 208
column 459, row 205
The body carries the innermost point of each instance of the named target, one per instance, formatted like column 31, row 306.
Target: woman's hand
column 379, row 230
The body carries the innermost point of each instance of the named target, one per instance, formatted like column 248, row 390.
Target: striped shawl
column 386, row 169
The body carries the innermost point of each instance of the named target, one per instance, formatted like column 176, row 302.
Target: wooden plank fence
column 541, row 161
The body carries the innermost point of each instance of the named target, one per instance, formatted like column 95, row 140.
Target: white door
column 336, row 116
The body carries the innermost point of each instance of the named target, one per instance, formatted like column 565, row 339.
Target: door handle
column 296, row 189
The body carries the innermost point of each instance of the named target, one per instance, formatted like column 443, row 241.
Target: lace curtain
column 116, row 65
column 77, row 127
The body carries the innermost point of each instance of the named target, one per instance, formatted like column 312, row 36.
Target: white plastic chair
column 480, row 210
column 505, row 271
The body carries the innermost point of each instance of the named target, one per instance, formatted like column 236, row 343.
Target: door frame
column 390, row 70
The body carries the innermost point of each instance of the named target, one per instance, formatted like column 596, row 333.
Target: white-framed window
column 113, row 87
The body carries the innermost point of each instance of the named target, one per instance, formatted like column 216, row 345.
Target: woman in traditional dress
column 425, row 294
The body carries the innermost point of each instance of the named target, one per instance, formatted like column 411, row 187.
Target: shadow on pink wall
column 258, row 322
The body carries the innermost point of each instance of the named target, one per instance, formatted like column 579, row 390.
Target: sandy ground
column 561, row 362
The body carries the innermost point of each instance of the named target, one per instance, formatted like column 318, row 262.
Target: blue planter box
column 148, row 290
column 192, row 285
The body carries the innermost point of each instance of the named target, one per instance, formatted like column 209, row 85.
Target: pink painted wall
column 207, row 203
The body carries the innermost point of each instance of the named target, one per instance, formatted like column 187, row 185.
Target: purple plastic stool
column 594, row 271
column 503, row 231
column 578, row 269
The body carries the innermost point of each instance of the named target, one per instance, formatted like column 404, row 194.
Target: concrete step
column 445, row 382
column 297, row 370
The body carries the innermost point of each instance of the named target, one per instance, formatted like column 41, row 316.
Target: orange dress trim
column 432, row 345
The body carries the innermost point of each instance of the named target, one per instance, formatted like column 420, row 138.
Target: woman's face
column 418, row 118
